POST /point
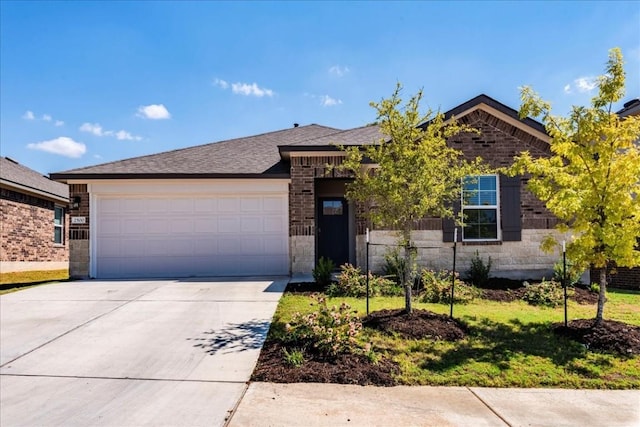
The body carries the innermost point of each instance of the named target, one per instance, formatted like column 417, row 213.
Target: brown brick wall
column 624, row 278
column 26, row 229
column 79, row 231
column 304, row 172
column 498, row 143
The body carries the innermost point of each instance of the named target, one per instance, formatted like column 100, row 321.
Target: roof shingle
column 15, row 175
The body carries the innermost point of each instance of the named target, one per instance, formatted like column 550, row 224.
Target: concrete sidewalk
column 267, row 404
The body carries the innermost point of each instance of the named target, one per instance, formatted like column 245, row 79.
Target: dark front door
column 333, row 229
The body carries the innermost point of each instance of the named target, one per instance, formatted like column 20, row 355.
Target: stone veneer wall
column 79, row 233
column 516, row 260
column 26, row 233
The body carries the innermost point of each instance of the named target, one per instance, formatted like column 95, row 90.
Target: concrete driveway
column 124, row 353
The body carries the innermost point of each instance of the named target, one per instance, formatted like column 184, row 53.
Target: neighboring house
column 267, row 204
column 33, row 220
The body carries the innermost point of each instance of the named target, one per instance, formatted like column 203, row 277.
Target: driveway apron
column 120, row 353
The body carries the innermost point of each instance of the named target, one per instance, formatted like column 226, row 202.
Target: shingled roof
column 254, row 156
column 21, row 178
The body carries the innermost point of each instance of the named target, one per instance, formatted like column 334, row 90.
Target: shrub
column 478, row 272
column 547, row 293
column 328, row 330
column 437, row 288
column 573, row 273
column 394, row 264
column 294, row 358
column 322, row 272
column 595, row 288
column 353, row 283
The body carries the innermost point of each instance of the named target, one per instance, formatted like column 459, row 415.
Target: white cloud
column 153, row 112
column 63, row 146
column 93, row 128
column 46, row 117
column 58, row 123
column 97, row 156
column 28, row 115
column 339, row 71
column 123, row 135
column 97, row 130
column 327, row 101
column 250, row 90
column 220, row 83
column 582, row 85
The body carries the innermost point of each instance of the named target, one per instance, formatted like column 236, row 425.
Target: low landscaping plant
column 353, row 283
column 329, row 331
column 293, row 357
column 547, row 293
column 323, row 271
column 479, row 271
column 437, row 288
column 573, row 273
column 394, row 264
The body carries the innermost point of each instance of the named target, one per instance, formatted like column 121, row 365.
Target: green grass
column 15, row 281
column 508, row 345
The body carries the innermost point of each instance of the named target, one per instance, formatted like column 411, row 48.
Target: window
column 480, row 206
column 58, row 225
column 332, row 207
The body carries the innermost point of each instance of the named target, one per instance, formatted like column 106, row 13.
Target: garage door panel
column 177, row 236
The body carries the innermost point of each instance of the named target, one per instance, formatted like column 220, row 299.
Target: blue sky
column 83, row 83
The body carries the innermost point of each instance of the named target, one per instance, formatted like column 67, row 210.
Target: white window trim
column 496, row 207
column 60, row 226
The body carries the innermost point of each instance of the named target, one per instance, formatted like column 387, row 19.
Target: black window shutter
column 511, row 213
column 449, row 224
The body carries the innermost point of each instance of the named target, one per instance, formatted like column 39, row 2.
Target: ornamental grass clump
column 547, row 293
column 352, row 282
column 437, row 288
column 329, row 331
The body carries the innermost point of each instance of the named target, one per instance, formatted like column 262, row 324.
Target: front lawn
column 507, row 344
column 14, row 281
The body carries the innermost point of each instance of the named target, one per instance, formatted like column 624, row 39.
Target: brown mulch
column 580, row 295
column 611, row 336
column 417, row 325
column 345, row 369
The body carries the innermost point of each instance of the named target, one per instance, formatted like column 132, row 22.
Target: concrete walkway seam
column 490, row 408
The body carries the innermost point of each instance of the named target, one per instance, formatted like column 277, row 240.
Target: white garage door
column 177, row 236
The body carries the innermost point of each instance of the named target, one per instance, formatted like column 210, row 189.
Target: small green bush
column 573, row 273
column 294, row 358
column 437, row 288
column 329, row 330
column 353, row 283
column 323, row 271
column 595, row 288
column 394, row 264
column 547, row 293
column 479, row 272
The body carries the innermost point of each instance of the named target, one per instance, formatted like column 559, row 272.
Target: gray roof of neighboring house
column 19, row 177
column 630, row 108
column 253, row 156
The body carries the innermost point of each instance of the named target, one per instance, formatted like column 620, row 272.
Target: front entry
column 333, row 229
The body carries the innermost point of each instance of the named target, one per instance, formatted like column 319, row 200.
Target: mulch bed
column 345, row 369
column 610, row 336
column 417, row 325
column 580, row 295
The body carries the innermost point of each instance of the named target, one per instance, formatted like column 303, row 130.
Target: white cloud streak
column 581, row 85
column 46, row 117
column 97, row 130
column 153, row 112
column 63, row 146
column 327, row 101
column 220, row 83
column 338, row 70
column 58, row 123
column 28, row 115
column 250, row 90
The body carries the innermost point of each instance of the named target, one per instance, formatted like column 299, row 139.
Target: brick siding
column 79, row 231
column 624, row 278
column 27, row 229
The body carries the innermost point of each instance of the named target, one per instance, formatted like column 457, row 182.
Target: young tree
column 591, row 181
column 414, row 173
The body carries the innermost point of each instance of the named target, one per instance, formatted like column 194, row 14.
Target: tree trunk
column 602, row 295
column 407, row 279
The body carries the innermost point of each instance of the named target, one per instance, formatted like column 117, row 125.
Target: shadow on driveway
column 234, row 337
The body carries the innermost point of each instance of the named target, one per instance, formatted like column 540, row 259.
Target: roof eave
column 33, row 191
column 103, row 176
